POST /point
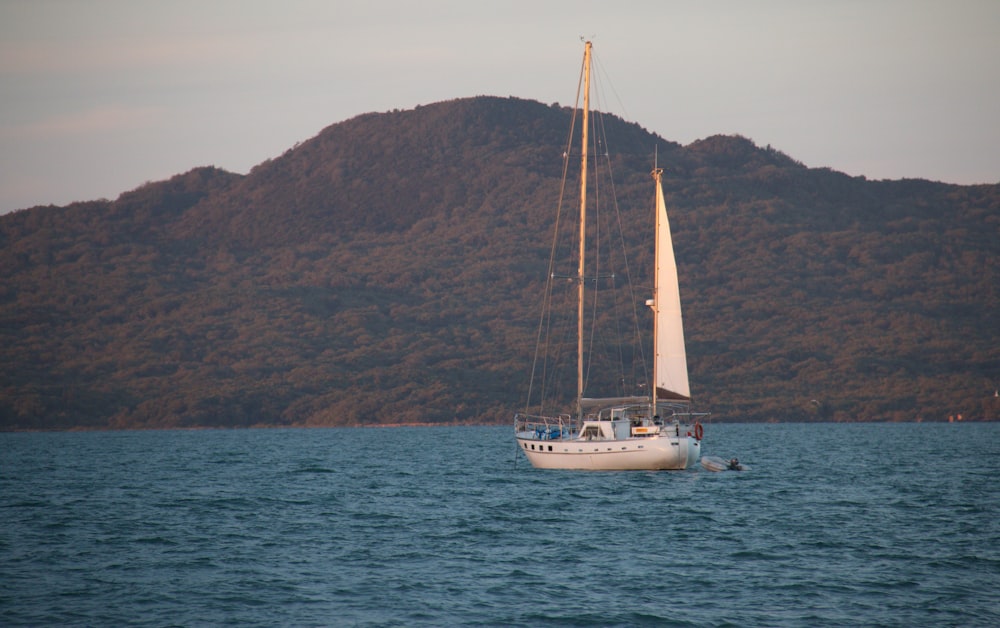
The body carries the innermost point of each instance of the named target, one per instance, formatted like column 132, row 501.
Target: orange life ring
column 699, row 431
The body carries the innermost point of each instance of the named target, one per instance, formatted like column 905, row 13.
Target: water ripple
column 835, row 525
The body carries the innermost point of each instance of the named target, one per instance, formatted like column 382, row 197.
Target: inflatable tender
column 715, row 463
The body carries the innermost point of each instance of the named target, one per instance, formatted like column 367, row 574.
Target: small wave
column 307, row 470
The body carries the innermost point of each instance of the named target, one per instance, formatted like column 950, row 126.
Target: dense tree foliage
column 389, row 269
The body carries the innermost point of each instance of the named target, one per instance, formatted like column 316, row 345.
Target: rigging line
column 616, row 311
column 614, row 343
column 604, row 255
column 559, row 333
column 606, row 79
column 545, row 322
column 619, row 337
column 601, row 133
column 601, row 156
column 597, row 248
column 624, row 250
column 640, row 346
column 546, row 298
column 562, row 342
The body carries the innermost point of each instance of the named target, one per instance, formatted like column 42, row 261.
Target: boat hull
column 650, row 453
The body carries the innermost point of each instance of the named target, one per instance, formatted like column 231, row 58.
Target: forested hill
column 388, row 271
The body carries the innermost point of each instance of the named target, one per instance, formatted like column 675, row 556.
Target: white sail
column 670, row 360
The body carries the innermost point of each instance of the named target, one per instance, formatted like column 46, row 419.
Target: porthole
column 550, row 447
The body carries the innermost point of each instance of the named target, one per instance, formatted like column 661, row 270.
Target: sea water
column 836, row 524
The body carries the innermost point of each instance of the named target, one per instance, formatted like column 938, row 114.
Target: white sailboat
column 639, row 432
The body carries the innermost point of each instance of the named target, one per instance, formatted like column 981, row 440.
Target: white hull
column 652, row 453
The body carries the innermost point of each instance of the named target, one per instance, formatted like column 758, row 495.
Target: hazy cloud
column 111, row 118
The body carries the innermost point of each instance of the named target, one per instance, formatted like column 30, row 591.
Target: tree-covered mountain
column 388, row 271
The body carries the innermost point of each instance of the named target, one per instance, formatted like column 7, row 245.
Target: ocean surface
column 835, row 525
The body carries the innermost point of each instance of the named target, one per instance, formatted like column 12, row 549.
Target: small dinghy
column 715, row 463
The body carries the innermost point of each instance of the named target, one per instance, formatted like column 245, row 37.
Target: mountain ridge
column 383, row 272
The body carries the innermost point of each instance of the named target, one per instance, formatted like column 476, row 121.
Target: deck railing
column 545, row 427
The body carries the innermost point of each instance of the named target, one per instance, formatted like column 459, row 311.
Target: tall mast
column 583, row 229
column 657, row 174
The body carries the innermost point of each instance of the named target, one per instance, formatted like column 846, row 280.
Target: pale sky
column 99, row 96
